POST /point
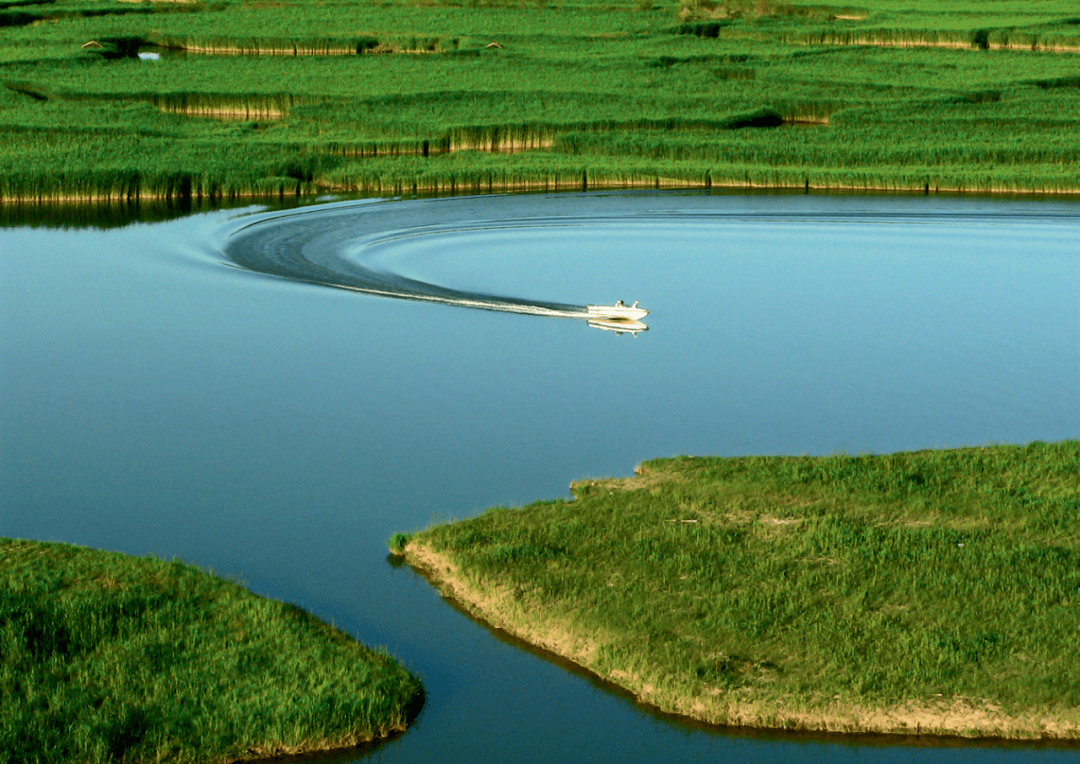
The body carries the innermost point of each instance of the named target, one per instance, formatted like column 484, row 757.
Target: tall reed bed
column 1015, row 39
column 613, row 92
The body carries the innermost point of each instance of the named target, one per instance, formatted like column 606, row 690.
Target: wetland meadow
column 280, row 281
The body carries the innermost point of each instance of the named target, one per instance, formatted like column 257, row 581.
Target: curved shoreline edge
column 961, row 717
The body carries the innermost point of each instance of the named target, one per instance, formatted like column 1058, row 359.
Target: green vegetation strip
column 105, row 657
column 932, row 592
column 240, row 98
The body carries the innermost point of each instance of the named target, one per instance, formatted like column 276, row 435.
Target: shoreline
column 525, row 186
column 958, row 717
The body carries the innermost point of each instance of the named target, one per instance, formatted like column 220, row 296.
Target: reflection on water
column 111, row 215
column 619, row 326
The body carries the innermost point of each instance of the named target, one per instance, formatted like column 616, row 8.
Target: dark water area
column 178, row 388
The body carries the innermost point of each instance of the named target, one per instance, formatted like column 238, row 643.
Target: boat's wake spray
column 314, row 246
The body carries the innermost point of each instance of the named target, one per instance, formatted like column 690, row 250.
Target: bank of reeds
column 107, row 658
column 974, row 39
column 916, row 593
column 608, row 95
column 285, row 46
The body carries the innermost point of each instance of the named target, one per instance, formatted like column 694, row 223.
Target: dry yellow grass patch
column 498, row 607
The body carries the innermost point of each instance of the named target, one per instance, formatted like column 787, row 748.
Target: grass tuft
column 398, row 542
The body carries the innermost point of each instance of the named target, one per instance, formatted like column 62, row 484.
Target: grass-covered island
column 933, row 592
column 106, row 657
column 182, row 99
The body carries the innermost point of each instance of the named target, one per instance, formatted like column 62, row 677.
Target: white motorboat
column 618, row 311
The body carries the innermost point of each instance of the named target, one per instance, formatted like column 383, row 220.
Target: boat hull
column 624, row 312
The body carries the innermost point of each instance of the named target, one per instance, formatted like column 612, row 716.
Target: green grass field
column 931, row 592
column 108, row 658
column 290, row 96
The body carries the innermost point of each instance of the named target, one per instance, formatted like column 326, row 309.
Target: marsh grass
column 105, row 657
column 250, row 99
column 933, row 591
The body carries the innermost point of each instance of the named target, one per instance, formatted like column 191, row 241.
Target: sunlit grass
column 780, row 591
column 105, row 657
column 261, row 98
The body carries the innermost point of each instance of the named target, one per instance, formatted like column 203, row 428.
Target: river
column 272, row 394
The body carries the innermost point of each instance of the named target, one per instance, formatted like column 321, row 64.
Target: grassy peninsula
column 106, row 657
column 185, row 99
column 932, row 592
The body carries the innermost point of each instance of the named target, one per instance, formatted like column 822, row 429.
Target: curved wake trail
column 332, row 244
column 326, row 246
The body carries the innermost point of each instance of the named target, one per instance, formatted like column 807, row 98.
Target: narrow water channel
column 273, row 394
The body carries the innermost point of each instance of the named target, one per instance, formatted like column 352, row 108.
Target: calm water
column 156, row 397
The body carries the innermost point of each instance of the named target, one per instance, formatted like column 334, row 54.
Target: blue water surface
column 155, row 398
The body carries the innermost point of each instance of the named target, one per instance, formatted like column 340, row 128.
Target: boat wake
column 330, row 245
